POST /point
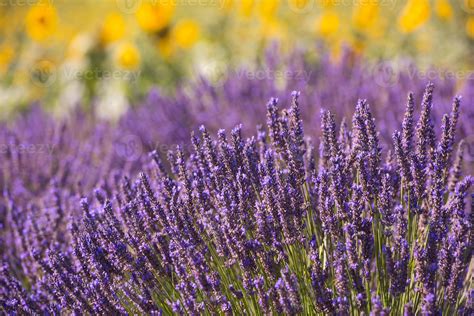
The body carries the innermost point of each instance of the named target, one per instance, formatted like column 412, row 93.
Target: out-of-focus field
column 109, row 53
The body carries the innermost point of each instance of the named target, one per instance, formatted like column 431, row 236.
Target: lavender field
column 247, row 157
column 300, row 209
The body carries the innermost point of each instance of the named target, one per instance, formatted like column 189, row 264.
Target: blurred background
column 106, row 54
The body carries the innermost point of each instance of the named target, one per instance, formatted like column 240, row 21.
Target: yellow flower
column 328, row 23
column 414, row 14
column 365, row 15
column 6, row 56
column 378, row 30
column 186, row 33
column 268, row 8
column 273, row 29
column 246, row 7
column 470, row 27
column 113, row 28
column 154, row 16
column 128, row 56
column 41, row 22
column 443, row 9
column 165, row 47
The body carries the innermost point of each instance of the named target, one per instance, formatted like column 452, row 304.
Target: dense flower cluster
column 325, row 83
column 81, row 152
column 259, row 225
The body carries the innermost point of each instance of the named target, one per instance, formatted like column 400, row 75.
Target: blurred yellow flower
column 365, row 15
column 186, row 33
column 41, row 21
column 443, row 9
column 470, row 27
column 268, row 8
column 273, row 29
column 165, row 47
column 6, row 56
column 128, row 56
column 154, row 16
column 246, row 7
column 328, row 23
column 113, row 28
column 414, row 14
column 378, row 30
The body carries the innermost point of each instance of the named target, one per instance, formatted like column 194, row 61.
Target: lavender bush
column 332, row 84
column 83, row 151
column 262, row 225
